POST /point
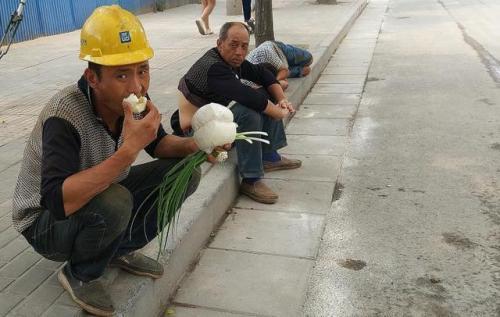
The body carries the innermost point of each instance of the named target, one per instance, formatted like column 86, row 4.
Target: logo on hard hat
column 125, row 37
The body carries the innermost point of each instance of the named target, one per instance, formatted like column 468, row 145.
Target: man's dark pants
column 100, row 231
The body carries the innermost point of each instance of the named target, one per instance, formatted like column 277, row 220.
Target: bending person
column 287, row 61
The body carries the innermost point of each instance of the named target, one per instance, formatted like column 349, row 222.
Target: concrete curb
column 203, row 212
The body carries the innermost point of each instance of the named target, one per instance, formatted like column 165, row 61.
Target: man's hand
column 284, row 84
column 213, row 159
column 275, row 111
column 137, row 134
column 285, row 104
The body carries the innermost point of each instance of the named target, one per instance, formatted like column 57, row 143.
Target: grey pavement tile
column 370, row 36
column 6, row 208
column 52, row 280
column 66, row 300
column 7, row 236
column 361, row 41
column 38, row 302
column 9, row 177
column 280, row 233
column 337, row 89
column 8, row 301
column 29, row 281
column 346, row 70
column 336, row 127
column 5, row 222
column 314, row 168
column 354, row 45
column 315, row 145
column 63, row 310
column 362, row 60
column 294, row 196
column 5, row 281
column 332, row 99
column 326, row 112
column 20, row 264
column 11, row 152
column 341, row 79
column 347, row 63
column 48, row 264
column 178, row 311
column 252, row 283
column 14, row 248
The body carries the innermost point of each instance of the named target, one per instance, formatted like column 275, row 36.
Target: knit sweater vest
column 96, row 145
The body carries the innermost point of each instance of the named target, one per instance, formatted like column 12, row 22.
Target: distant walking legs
column 203, row 23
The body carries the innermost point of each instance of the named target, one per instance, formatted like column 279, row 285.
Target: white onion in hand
column 138, row 104
column 213, row 126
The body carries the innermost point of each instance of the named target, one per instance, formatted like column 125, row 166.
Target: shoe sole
column 140, row 273
column 201, row 28
column 259, row 199
column 280, row 168
column 91, row 309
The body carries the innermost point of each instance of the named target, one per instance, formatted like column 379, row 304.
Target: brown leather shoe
column 283, row 164
column 259, row 192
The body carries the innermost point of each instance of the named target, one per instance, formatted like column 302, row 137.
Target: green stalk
column 170, row 194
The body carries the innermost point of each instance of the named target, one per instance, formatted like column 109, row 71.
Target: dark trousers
column 247, row 7
column 100, row 231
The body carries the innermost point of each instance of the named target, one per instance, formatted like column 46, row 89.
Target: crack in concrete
column 487, row 59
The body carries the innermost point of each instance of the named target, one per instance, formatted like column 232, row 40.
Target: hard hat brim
column 127, row 58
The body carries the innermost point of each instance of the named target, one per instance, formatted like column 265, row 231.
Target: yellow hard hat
column 113, row 36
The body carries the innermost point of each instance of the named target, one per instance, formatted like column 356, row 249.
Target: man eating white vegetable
column 217, row 77
column 77, row 191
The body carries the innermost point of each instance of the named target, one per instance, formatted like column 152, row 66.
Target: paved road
column 416, row 230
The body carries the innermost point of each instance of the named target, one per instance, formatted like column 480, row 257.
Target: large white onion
column 213, row 126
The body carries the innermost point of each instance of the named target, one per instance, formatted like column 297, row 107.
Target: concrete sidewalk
column 33, row 71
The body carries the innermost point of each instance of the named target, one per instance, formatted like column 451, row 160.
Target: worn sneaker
column 251, row 23
column 138, row 264
column 91, row 296
column 283, row 164
column 201, row 27
column 259, row 192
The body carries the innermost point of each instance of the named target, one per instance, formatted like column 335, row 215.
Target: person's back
column 287, row 60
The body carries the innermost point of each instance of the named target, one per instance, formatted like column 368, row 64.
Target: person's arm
column 258, row 73
column 172, row 146
column 61, row 161
column 282, row 74
column 222, row 81
column 79, row 188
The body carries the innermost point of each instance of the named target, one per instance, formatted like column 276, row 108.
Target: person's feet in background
column 247, row 15
column 203, row 23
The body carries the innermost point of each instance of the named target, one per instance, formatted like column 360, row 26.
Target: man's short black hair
column 96, row 68
column 225, row 29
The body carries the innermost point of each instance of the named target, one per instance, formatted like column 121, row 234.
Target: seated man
column 216, row 77
column 288, row 61
column 77, row 192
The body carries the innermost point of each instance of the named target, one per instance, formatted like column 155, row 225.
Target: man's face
column 117, row 82
column 234, row 48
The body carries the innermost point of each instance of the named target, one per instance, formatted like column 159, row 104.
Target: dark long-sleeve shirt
column 211, row 79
